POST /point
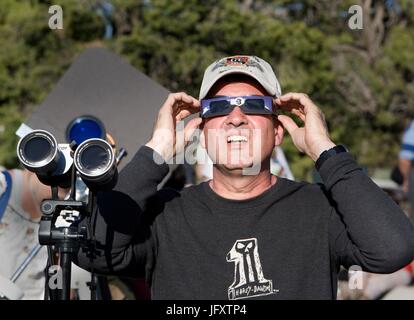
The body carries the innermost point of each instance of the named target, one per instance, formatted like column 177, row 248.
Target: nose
column 236, row 118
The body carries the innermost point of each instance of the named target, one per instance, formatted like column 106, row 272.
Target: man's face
column 238, row 140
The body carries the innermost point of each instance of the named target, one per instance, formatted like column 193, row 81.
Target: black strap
column 4, row 198
column 329, row 153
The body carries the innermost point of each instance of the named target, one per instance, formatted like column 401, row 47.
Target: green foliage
column 362, row 79
column 32, row 58
column 10, row 119
column 85, row 25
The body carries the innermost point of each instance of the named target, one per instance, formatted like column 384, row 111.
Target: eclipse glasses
column 220, row 106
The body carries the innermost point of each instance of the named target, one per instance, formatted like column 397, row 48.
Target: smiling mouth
column 236, row 138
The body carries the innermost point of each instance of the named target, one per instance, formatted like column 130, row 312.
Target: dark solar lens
column 95, row 162
column 37, row 149
column 94, row 158
column 39, row 152
column 220, row 106
column 255, row 104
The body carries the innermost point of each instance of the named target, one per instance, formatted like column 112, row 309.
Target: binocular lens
column 95, row 161
column 37, row 151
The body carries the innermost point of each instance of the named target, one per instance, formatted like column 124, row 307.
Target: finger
column 288, row 123
column 191, row 126
column 290, row 101
column 293, row 108
column 196, row 102
column 184, row 106
column 184, row 113
column 302, row 106
column 300, row 114
column 183, row 110
column 183, row 98
column 303, row 98
column 293, row 95
column 286, row 97
column 180, row 99
column 299, row 100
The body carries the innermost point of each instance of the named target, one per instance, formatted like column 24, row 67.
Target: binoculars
column 53, row 163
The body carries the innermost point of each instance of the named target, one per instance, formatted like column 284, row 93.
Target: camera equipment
column 96, row 163
column 96, row 166
column 83, row 128
column 39, row 152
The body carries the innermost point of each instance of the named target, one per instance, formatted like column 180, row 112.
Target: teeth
column 236, row 139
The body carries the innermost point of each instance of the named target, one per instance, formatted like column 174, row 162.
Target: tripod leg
column 103, row 287
column 65, row 264
column 26, row 262
column 50, row 294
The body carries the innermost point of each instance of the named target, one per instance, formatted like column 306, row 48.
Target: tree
column 362, row 79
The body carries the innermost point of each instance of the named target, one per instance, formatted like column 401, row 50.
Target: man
column 243, row 235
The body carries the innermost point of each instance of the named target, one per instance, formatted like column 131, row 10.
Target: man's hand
column 313, row 137
column 177, row 107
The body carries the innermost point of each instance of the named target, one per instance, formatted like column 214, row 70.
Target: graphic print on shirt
column 249, row 280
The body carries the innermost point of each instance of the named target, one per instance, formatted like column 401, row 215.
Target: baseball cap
column 252, row 66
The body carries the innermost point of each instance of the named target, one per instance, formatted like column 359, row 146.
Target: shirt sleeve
column 367, row 228
column 123, row 221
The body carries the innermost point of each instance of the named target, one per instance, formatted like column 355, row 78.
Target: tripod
column 65, row 238
column 59, row 229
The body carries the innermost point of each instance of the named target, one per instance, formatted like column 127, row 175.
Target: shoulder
column 305, row 192
column 173, row 200
column 408, row 136
column 169, row 198
column 173, row 195
column 3, row 179
column 301, row 186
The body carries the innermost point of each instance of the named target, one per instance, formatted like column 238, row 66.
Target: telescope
column 83, row 128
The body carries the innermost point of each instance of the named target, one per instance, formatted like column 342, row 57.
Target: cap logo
column 237, row 61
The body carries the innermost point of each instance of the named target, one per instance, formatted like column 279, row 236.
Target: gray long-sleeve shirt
column 286, row 243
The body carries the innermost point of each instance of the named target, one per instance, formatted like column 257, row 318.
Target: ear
column 279, row 131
